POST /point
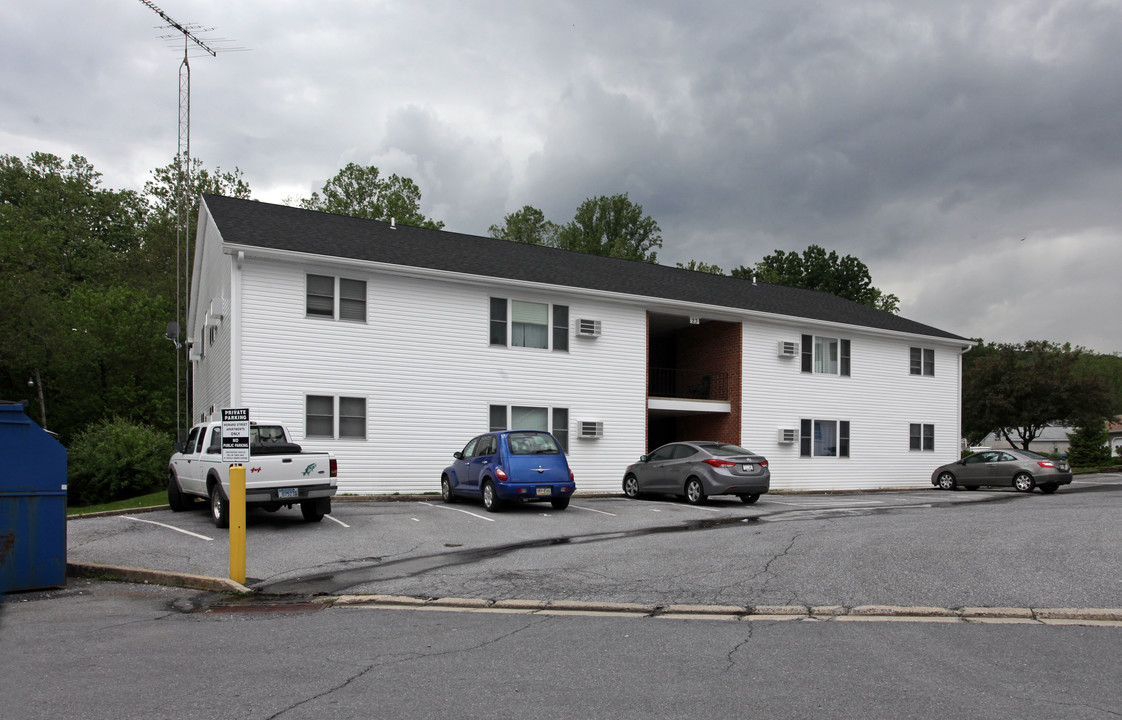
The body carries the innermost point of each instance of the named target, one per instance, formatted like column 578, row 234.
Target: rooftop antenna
column 191, row 41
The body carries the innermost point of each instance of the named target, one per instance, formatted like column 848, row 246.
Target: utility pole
column 183, row 209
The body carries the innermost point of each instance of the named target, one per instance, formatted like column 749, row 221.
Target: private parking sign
column 235, row 435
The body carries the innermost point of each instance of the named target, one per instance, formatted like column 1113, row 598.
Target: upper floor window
column 921, row 437
column 823, row 438
column 324, row 290
column 922, row 361
column 531, row 324
column 827, row 355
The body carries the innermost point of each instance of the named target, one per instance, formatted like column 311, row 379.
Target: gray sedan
column 1021, row 469
column 697, row 470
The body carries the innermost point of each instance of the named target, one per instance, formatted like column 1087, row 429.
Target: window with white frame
column 922, row 361
column 518, row 323
column 825, row 355
column 921, row 436
column 335, row 416
column 336, row 298
column 521, row 417
column 823, row 438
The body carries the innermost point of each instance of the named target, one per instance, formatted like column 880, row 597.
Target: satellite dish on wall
column 172, row 333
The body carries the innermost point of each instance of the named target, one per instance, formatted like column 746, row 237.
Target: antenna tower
column 191, row 40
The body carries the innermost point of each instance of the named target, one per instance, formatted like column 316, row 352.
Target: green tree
column 613, row 226
column 362, row 192
column 1089, row 445
column 159, row 256
column 815, row 269
column 1018, row 390
column 59, row 230
column 527, row 225
column 701, row 267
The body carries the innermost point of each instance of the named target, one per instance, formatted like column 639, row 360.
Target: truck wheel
column 314, row 510
column 219, row 508
column 177, row 501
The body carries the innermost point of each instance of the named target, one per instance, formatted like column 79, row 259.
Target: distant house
column 1114, row 432
column 1052, row 439
column 395, row 345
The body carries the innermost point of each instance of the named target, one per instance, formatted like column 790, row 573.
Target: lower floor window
column 921, row 437
column 521, row 417
column 335, row 416
column 823, row 438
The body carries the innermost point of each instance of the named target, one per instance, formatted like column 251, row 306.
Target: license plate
column 545, row 491
column 288, row 493
column 749, row 467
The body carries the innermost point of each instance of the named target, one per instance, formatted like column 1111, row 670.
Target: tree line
column 89, row 283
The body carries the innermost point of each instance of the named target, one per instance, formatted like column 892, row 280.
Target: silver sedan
column 697, row 470
column 1021, row 469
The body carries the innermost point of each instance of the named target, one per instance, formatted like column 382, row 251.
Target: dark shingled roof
column 278, row 227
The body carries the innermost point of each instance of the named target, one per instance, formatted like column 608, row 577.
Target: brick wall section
column 713, row 347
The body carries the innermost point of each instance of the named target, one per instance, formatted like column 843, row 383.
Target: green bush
column 1089, row 445
column 114, row 459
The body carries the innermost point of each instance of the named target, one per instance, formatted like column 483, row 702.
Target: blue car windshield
column 532, row 443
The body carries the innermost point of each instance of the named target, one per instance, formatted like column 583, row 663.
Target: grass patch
column 160, row 497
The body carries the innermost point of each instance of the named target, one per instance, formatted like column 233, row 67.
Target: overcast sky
column 970, row 153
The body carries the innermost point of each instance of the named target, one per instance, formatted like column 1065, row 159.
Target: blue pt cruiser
column 510, row 466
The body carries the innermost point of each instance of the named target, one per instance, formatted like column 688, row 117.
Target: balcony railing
column 688, row 384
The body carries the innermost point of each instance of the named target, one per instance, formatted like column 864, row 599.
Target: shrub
column 115, row 459
column 1088, row 445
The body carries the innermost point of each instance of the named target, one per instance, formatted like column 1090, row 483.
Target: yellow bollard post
column 237, row 523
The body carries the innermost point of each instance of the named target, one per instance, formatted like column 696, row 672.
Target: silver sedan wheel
column 631, row 486
column 1024, row 482
column 695, row 493
column 946, row 481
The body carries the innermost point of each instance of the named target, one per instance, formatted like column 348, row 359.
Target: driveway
column 918, row 548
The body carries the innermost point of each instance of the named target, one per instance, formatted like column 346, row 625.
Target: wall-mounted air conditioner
column 590, row 429
column 788, row 436
column 588, row 328
column 788, row 348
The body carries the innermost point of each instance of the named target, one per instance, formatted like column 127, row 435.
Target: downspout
column 962, row 444
column 236, row 330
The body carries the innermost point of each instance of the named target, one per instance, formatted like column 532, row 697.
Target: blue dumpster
column 32, row 504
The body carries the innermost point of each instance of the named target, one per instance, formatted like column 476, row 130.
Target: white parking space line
column 579, row 507
column 703, row 507
column 333, row 519
column 827, row 503
column 169, row 527
column 465, row 512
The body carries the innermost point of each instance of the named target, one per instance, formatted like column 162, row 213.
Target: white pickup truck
column 279, row 473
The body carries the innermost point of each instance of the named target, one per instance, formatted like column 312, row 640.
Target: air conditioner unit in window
column 788, row 435
column 788, row 348
column 590, row 430
column 588, row 328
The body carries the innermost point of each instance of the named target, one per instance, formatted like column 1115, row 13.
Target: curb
column 1111, row 616
column 1057, row 616
column 121, row 573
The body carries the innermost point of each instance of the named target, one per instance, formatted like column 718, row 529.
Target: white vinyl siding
column 878, row 400
column 424, row 402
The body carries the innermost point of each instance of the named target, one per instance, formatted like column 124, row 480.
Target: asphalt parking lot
column 422, row 546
